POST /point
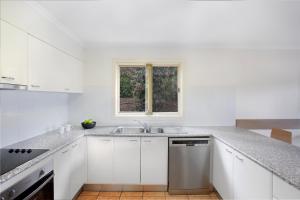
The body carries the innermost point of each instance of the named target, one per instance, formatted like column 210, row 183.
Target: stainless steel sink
column 129, row 130
column 137, row 130
column 154, row 130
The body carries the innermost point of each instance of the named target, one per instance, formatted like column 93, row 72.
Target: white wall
column 26, row 114
column 219, row 85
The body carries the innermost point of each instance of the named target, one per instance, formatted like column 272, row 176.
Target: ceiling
column 241, row 24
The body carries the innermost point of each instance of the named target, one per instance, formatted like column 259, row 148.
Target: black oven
column 38, row 185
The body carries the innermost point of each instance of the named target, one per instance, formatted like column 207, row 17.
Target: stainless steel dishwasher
column 189, row 165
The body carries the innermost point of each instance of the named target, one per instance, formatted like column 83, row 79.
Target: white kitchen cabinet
column 74, row 74
column 62, row 174
column 69, row 170
column 13, row 54
column 27, row 16
column 126, row 162
column 237, row 177
column 223, row 169
column 284, row 191
column 100, row 160
column 78, row 166
column 52, row 70
column 251, row 181
column 154, row 160
column 45, row 67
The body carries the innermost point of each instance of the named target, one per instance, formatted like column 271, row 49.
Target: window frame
column 137, row 63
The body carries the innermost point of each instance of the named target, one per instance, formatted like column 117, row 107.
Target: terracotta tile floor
column 86, row 195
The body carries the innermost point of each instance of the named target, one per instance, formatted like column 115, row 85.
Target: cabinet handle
column 147, row 141
column 35, row 86
column 65, row 151
column 8, row 78
column 229, row 151
column 106, row 140
column 67, row 89
column 240, row 159
column 132, row 140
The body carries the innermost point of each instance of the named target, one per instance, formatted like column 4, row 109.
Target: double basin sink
column 137, row 130
column 150, row 130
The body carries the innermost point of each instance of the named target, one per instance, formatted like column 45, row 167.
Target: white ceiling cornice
column 45, row 13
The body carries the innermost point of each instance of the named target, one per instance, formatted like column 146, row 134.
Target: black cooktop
column 12, row 158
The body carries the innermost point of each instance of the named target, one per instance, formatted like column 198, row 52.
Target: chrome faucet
column 145, row 126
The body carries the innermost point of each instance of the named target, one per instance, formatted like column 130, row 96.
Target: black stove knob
column 11, row 193
column 23, row 150
column 10, row 151
column 42, row 172
column 17, row 150
column 29, row 151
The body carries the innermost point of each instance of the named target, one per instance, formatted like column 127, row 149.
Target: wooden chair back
column 283, row 135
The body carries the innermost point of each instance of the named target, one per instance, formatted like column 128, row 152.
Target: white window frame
column 137, row 63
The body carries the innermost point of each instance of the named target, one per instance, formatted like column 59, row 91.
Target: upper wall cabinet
column 51, row 69
column 73, row 71
column 35, row 20
column 36, row 50
column 13, row 54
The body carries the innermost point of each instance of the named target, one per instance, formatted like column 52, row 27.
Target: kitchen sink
column 154, row 130
column 137, row 130
column 127, row 130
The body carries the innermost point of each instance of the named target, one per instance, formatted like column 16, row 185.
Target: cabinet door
column 282, row 190
column 13, row 54
column 78, row 169
column 62, row 171
column 154, row 161
column 251, row 181
column 74, row 67
column 223, row 169
column 45, row 67
column 127, row 160
column 100, row 160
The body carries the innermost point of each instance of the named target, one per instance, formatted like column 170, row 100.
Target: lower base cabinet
column 62, row 174
column 126, row 168
column 237, row 177
column 154, row 161
column 251, row 181
column 223, row 169
column 100, row 160
column 284, row 191
column 127, row 160
column 69, row 170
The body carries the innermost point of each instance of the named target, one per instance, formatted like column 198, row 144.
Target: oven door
column 41, row 190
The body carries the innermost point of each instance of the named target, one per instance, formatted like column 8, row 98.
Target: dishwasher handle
column 188, row 143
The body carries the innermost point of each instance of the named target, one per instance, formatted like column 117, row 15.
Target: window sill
column 170, row 114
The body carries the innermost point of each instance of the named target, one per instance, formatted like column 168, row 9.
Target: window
column 150, row 88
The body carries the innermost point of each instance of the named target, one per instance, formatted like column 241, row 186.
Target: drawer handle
column 147, row 141
column 8, row 78
column 67, row 89
column 132, row 140
column 65, row 151
column 229, row 151
column 35, row 86
column 106, row 140
column 240, row 159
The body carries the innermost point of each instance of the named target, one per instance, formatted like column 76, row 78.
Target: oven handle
column 40, row 187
